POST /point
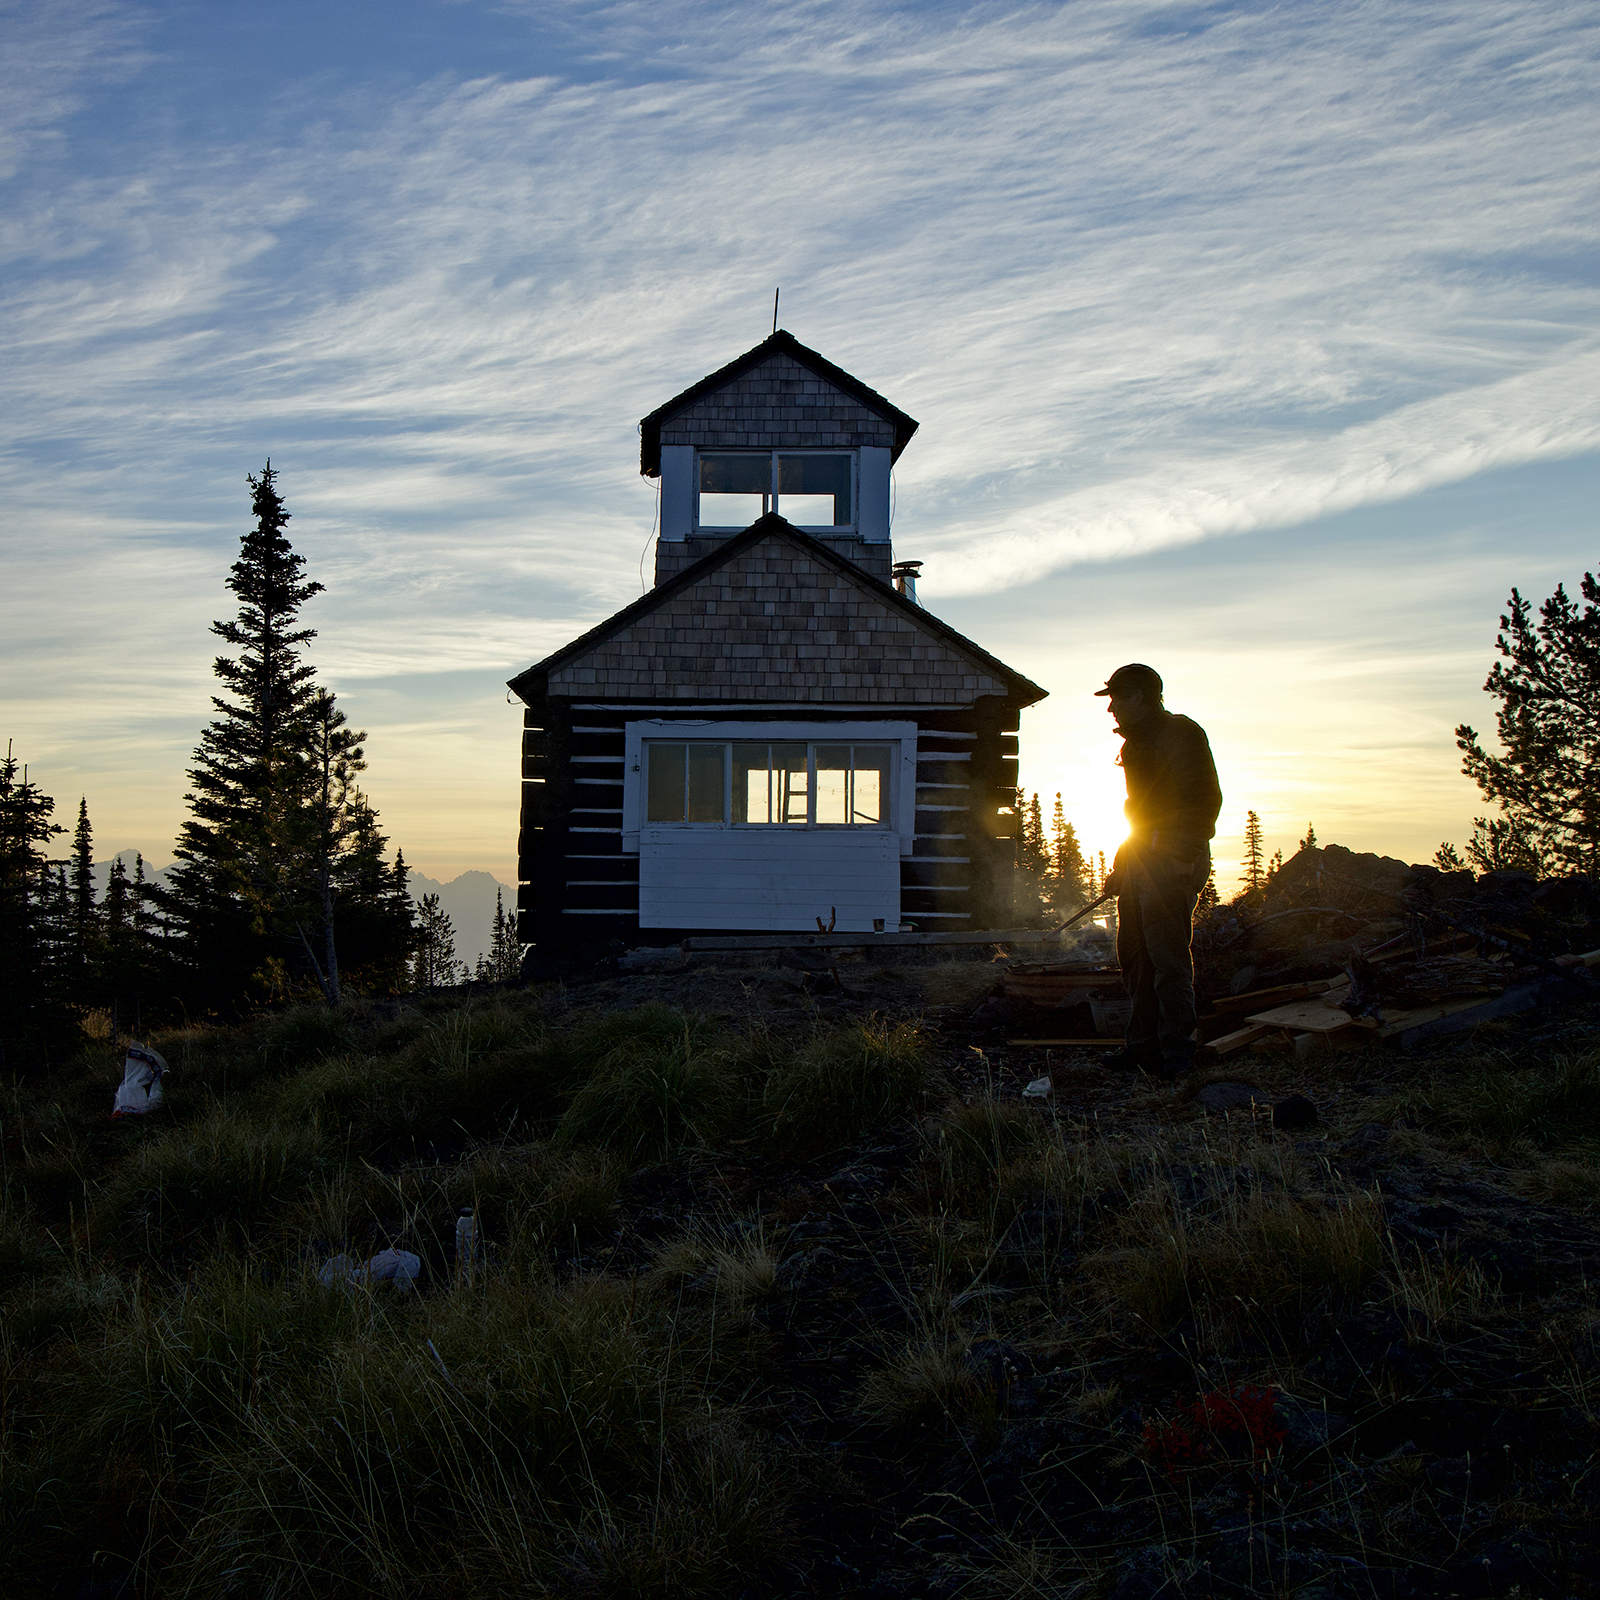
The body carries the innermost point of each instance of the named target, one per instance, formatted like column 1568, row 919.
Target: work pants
column 1155, row 924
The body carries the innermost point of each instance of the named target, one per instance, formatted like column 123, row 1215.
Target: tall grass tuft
column 841, row 1082
column 221, row 1174
column 1500, row 1104
column 654, row 1087
column 1235, row 1246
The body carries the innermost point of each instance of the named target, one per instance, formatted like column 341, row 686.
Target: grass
column 182, row 1392
column 631, row 1394
column 835, row 1085
column 1498, row 1105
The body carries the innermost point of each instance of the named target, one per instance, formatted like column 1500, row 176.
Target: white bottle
column 466, row 1245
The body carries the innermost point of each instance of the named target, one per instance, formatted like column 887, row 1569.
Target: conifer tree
column 505, row 957
column 280, row 866
column 435, row 965
column 1068, row 868
column 1310, row 840
column 1254, row 861
column 31, row 1019
column 1447, row 858
column 249, row 764
column 1033, row 861
column 1207, row 900
column 82, row 880
column 1548, row 722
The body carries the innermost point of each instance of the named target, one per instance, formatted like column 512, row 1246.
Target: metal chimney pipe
column 905, row 578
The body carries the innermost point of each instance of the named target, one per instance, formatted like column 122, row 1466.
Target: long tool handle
column 1078, row 916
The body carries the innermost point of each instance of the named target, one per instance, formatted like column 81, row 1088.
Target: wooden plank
column 1305, row 1016
column 1106, row 1042
column 1239, row 1038
column 1451, row 1016
column 1279, row 994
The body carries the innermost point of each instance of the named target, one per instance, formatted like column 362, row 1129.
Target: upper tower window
column 814, row 489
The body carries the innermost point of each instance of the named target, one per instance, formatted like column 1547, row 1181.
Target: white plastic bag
column 140, row 1089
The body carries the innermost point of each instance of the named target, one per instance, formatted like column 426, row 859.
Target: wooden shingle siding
column 774, row 624
column 777, row 405
column 673, row 555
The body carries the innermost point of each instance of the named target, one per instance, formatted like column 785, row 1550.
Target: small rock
column 1038, row 1089
column 1295, row 1112
column 1225, row 1097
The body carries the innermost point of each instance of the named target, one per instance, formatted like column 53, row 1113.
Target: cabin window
column 687, row 782
column 812, row 489
column 782, row 785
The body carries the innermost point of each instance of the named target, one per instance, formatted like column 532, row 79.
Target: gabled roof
column 530, row 684
column 781, row 343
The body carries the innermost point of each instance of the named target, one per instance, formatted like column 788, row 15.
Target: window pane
column 751, row 786
column 665, row 783
column 734, row 490
column 706, row 768
column 789, row 785
column 814, row 491
column 869, row 798
column 833, row 783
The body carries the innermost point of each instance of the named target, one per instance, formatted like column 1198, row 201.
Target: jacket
column 1173, row 794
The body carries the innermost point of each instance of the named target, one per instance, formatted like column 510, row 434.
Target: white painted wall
column 778, row 880
column 872, row 489
column 677, row 491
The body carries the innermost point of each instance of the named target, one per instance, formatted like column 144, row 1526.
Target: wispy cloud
column 1146, row 273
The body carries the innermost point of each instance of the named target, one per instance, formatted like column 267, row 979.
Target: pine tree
column 279, row 873
column 1033, row 862
column 1254, row 862
column 249, row 765
column 1498, row 844
column 505, row 956
column 82, row 954
column 1068, row 869
column 1208, row 899
column 31, row 1019
column 314, row 829
column 435, row 965
column 1447, row 858
column 1548, row 722
column 1275, row 866
column 1310, row 840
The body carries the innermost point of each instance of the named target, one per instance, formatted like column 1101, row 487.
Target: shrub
column 842, row 1082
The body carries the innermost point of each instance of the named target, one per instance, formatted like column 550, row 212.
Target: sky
column 1260, row 342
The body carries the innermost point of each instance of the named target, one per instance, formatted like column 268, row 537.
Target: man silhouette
column 1173, row 801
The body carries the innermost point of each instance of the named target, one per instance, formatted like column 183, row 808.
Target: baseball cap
column 1136, row 675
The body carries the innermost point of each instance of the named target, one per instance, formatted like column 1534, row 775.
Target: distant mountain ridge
column 468, row 901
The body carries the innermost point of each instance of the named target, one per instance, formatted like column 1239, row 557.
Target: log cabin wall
column 579, row 888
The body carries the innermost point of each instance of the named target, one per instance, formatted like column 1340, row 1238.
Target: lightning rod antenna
column 775, row 294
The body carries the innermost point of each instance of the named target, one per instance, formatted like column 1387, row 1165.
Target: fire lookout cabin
column 777, row 732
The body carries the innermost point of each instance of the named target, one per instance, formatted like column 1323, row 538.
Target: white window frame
column 838, row 529
column 902, row 800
